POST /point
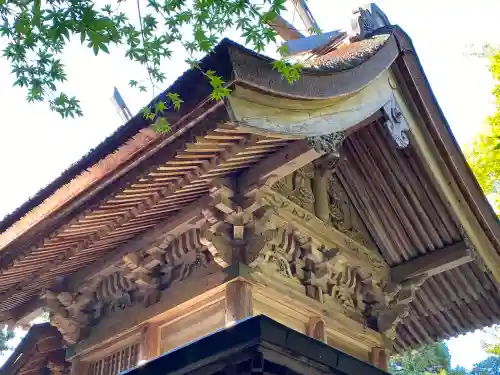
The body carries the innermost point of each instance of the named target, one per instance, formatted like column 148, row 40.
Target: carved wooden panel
column 299, row 188
column 344, row 216
column 192, row 326
column 140, row 281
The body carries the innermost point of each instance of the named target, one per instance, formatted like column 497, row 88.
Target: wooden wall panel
column 192, row 326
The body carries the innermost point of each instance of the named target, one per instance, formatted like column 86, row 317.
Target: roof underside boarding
column 407, row 217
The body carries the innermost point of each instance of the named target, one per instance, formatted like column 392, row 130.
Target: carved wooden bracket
column 290, row 213
column 397, row 304
column 396, row 123
column 140, row 280
column 300, row 262
column 233, row 224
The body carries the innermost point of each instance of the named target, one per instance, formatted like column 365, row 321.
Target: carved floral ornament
column 330, row 274
column 140, row 281
column 327, row 144
column 296, row 209
column 328, row 277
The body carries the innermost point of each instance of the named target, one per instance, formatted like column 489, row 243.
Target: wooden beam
column 316, row 329
column 176, row 223
column 432, row 263
column 379, row 358
column 284, row 29
column 149, row 346
column 296, row 155
column 27, row 312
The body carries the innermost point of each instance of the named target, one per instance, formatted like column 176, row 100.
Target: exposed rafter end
column 433, row 263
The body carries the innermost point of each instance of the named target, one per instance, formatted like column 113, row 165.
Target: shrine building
column 337, row 211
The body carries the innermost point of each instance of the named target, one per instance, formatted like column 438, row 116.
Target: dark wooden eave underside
column 41, row 345
column 408, row 219
column 191, row 164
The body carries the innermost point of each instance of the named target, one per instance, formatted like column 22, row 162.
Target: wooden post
column 238, row 301
column 78, row 367
column 379, row 358
column 320, row 191
column 316, row 329
column 149, row 346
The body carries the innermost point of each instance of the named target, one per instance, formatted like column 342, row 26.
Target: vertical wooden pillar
column 238, row 301
column 320, row 191
column 379, row 358
column 78, row 367
column 149, row 346
column 316, row 329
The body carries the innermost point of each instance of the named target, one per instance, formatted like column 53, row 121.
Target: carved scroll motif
column 291, row 212
column 139, row 282
column 298, row 187
column 70, row 325
column 327, row 144
column 326, row 276
column 323, row 274
column 396, row 123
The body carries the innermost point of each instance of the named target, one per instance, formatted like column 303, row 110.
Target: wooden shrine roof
column 137, row 180
column 40, row 352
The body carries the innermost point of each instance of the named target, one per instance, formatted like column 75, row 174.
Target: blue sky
column 36, row 145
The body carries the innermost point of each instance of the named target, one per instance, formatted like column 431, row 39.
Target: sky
column 36, row 145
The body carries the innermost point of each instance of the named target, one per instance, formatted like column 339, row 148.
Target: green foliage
column 430, row 359
column 493, row 346
column 490, row 366
column 5, row 336
column 37, row 32
column 434, row 359
column 483, row 155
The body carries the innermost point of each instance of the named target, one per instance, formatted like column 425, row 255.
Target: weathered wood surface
column 433, row 263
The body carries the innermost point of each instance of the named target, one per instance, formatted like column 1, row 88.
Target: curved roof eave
column 316, row 84
column 78, row 178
